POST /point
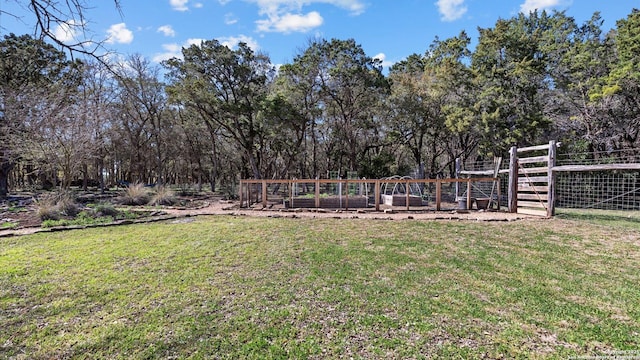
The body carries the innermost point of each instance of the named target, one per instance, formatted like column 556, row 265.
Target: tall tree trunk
column 5, row 169
column 85, row 177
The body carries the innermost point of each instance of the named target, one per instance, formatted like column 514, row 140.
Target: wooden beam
column 534, row 148
column 241, row 192
column 476, row 172
column 264, row 194
column 532, row 212
column 534, row 159
column 538, row 147
column 438, row 195
column 531, row 204
column 406, row 190
column 523, row 196
column 513, row 180
column 458, row 168
column 534, row 170
column 376, row 190
column 346, row 196
column 599, row 167
column 317, row 193
column 552, row 179
column 469, row 194
column 533, row 179
column 537, row 189
column 498, row 188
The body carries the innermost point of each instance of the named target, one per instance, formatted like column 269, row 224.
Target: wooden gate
column 531, row 180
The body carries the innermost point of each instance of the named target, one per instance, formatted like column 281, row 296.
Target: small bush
column 135, row 194
column 48, row 212
column 67, row 205
column 54, row 206
column 105, row 210
column 163, row 196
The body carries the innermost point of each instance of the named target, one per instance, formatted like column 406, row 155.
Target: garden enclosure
column 406, row 193
column 536, row 180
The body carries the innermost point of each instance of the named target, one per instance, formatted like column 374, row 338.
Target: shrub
column 48, row 212
column 105, row 210
column 55, row 205
column 135, row 194
column 67, row 205
column 163, row 196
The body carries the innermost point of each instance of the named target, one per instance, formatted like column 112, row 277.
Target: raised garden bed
column 332, row 202
column 401, row 200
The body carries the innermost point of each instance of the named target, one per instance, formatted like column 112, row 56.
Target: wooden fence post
column 346, row 198
column 264, row 193
column 376, row 191
column 551, row 200
column 317, row 193
column 513, row 180
column 439, row 193
column 458, row 167
column 469, row 199
column 406, row 199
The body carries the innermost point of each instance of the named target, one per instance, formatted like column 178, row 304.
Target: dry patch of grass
column 225, row 287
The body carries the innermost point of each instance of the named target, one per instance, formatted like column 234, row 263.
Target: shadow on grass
column 601, row 216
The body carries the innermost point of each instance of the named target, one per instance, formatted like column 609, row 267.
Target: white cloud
column 167, row 30
column 193, row 41
column 67, row 31
column 224, row 2
column 531, row 5
column 230, row 19
column 287, row 16
column 278, row 6
column 118, row 33
column 198, row 5
column 451, row 9
column 179, row 5
column 232, row 41
column 170, row 51
column 288, row 23
column 383, row 59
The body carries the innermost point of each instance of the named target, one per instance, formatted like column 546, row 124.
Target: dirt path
column 219, row 207
column 231, row 208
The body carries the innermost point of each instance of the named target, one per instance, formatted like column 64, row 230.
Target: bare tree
column 48, row 15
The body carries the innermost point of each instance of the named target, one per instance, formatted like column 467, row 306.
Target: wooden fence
column 256, row 191
column 531, row 180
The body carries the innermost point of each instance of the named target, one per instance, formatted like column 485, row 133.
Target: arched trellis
column 400, row 186
column 397, row 190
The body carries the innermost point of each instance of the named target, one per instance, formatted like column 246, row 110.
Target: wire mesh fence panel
column 607, row 190
column 628, row 156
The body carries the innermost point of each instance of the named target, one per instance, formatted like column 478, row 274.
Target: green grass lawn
column 239, row 287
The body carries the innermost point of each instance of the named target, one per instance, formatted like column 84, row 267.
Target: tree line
column 219, row 114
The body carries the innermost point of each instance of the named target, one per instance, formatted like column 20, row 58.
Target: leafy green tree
column 296, row 102
column 432, row 105
column 351, row 88
column 623, row 84
column 578, row 59
column 510, row 68
column 227, row 87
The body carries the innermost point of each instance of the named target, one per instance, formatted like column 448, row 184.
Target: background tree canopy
column 220, row 114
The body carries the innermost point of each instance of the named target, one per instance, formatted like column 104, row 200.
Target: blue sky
column 387, row 29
